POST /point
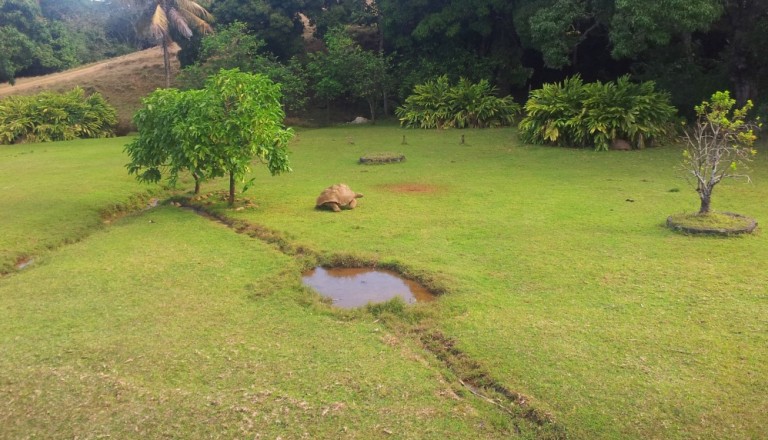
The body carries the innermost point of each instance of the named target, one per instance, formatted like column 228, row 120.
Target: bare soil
column 123, row 81
column 411, row 188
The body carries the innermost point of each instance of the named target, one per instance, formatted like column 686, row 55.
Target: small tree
column 165, row 145
column 719, row 145
column 242, row 120
column 212, row 132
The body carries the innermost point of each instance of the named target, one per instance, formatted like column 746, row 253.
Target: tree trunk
column 372, row 107
column 386, row 106
column 231, row 188
column 706, row 198
column 167, row 63
column 197, row 183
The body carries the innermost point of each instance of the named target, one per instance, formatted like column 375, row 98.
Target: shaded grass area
column 168, row 325
column 563, row 279
column 57, row 192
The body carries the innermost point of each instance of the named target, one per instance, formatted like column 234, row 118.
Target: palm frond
column 194, row 8
column 179, row 23
column 158, row 25
column 198, row 23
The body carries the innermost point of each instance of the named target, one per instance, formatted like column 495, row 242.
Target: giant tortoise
column 337, row 196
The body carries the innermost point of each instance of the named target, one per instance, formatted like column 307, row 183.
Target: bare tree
column 719, row 145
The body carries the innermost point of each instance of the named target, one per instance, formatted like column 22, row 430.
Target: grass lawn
column 168, row 325
column 561, row 280
column 55, row 193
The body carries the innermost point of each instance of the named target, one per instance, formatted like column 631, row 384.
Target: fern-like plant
column 438, row 104
column 51, row 116
column 594, row 115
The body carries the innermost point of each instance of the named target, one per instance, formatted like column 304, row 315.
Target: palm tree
column 160, row 17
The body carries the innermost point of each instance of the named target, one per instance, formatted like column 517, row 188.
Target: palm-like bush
column 438, row 104
column 575, row 114
column 55, row 117
column 429, row 106
column 553, row 113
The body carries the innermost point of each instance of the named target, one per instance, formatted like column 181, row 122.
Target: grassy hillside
column 561, row 282
column 123, row 81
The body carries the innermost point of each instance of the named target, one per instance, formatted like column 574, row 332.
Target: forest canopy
column 690, row 48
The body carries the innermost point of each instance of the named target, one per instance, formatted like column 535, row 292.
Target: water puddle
column 354, row 287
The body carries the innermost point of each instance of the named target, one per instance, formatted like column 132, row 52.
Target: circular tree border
column 748, row 229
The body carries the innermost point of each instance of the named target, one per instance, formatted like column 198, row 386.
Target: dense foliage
column 234, row 46
column 55, row 117
column 719, row 145
column 690, row 48
column 212, row 132
column 439, row 104
column 346, row 70
column 577, row 114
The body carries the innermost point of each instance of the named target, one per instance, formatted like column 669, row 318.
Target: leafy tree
column 233, row 46
column 213, row 132
column 346, row 69
column 159, row 149
column 161, row 17
column 243, row 120
column 719, row 144
column 471, row 38
column 559, row 27
column 277, row 22
column 25, row 40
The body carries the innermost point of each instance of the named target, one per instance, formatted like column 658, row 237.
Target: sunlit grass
column 562, row 280
column 55, row 193
column 169, row 325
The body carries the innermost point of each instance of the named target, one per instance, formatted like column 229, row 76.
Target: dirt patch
column 412, row 188
column 123, row 81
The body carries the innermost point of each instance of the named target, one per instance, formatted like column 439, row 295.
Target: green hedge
column 438, row 104
column 49, row 116
column 576, row 114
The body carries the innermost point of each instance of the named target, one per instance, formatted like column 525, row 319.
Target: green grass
column 711, row 221
column 55, row 193
column 168, row 325
column 562, row 280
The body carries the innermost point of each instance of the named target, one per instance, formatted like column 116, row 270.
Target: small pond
column 356, row 287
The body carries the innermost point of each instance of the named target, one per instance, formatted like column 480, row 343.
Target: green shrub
column 48, row 116
column 575, row 114
column 438, row 104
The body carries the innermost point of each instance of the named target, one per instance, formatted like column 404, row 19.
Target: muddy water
column 355, row 287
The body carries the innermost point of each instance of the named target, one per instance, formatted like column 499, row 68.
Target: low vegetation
column 595, row 115
column 440, row 104
column 50, row 116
